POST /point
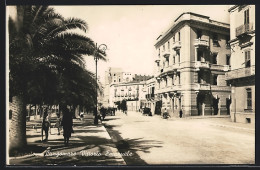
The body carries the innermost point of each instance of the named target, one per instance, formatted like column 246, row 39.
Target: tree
column 46, row 62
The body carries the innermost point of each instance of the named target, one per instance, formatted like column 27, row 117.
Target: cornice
column 178, row 24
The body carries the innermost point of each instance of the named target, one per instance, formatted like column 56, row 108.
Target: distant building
column 150, row 96
column 242, row 74
column 133, row 92
column 192, row 59
column 112, row 76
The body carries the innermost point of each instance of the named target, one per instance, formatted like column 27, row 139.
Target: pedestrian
column 181, row 113
column 67, row 123
column 165, row 114
column 45, row 124
column 58, row 123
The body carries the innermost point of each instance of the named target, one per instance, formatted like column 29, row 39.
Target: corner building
column 193, row 57
column 242, row 74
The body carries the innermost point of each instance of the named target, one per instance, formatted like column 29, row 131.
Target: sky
column 130, row 31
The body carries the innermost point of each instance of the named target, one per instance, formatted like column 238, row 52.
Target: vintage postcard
column 98, row 85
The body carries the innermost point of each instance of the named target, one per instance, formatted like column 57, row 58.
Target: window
column 179, row 55
column 159, row 52
column 173, row 39
column 215, row 39
column 214, row 56
column 247, row 59
column 179, row 78
column 167, row 61
column 249, row 98
column 163, row 47
column 228, row 60
column 227, row 41
column 166, row 82
column 114, row 80
column 114, row 74
column 199, row 34
column 174, row 59
column 200, row 55
column 168, row 45
column 173, row 79
column 179, row 35
column 118, row 80
column 246, row 16
column 215, row 79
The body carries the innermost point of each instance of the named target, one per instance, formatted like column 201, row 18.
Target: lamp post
column 102, row 48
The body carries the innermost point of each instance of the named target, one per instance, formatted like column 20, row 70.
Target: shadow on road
column 132, row 145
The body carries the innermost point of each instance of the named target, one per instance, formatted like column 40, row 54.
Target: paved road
column 153, row 140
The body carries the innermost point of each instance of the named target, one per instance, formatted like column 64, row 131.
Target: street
column 182, row 141
column 134, row 139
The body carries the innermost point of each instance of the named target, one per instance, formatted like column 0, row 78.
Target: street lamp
column 100, row 48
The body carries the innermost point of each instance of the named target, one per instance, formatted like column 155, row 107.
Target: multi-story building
column 242, row 74
column 130, row 91
column 150, row 100
column 193, row 57
column 112, row 76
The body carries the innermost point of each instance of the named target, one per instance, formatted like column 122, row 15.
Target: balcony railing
column 204, row 86
column 176, row 45
column 200, row 64
column 220, row 88
column 240, row 73
column 201, row 43
column 244, row 29
column 219, row 67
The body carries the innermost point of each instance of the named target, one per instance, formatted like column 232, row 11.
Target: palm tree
column 44, row 59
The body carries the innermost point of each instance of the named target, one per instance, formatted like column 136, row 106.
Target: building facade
column 150, row 97
column 113, row 76
column 192, row 59
column 242, row 74
column 130, row 91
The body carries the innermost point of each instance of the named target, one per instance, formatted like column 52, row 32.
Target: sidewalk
column 89, row 145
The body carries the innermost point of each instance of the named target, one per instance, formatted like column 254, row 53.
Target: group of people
column 66, row 121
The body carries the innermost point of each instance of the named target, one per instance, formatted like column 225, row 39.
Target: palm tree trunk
column 17, row 125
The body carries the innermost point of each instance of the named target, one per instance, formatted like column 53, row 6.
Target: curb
column 114, row 149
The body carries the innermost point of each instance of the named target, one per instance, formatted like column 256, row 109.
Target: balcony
column 201, row 43
column 220, row 88
column 219, row 67
column 176, row 87
column 240, row 73
column 166, row 53
column 176, row 45
column 244, row 29
column 164, row 90
column 200, row 64
column 204, row 86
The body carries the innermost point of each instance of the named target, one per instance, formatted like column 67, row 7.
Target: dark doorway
column 158, row 107
column 228, row 102
column 215, row 105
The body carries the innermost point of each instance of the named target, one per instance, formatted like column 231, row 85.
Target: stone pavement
column 89, row 145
